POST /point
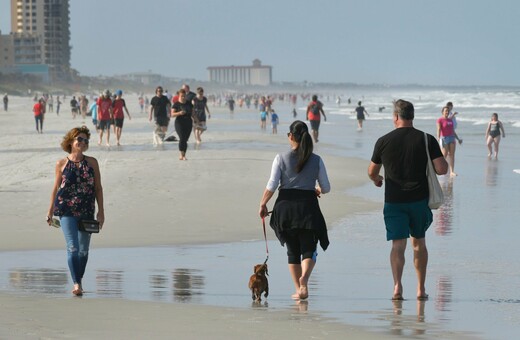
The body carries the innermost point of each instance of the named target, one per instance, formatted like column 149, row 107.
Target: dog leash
column 265, row 238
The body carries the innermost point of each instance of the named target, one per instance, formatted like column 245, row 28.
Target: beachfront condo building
column 40, row 37
column 256, row 74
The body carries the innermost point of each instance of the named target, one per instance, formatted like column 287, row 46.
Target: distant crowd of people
column 108, row 111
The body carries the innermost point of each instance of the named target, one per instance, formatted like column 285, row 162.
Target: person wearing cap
column 119, row 108
column 104, row 111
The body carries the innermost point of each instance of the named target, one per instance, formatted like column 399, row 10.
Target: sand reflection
column 188, row 284
column 109, row 283
column 492, row 173
column 40, row 280
column 403, row 325
column 444, row 218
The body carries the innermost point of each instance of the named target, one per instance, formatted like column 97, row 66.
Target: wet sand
column 151, row 199
column 181, row 239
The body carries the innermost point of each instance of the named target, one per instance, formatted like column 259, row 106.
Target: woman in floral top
column 76, row 189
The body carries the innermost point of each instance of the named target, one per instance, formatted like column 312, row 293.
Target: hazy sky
column 432, row 42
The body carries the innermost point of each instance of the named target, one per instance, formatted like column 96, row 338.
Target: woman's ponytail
column 301, row 135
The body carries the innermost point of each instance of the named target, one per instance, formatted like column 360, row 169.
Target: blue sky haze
column 463, row 42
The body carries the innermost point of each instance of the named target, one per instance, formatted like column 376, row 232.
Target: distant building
column 22, row 53
column 40, row 35
column 256, row 74
column 6, row 51
column 145, row 78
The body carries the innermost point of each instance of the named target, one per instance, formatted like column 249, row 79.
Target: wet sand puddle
column 351, row 283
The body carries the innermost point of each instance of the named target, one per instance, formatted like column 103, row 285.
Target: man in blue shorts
column 402, row 153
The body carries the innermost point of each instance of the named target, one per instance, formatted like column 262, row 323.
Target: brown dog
column 258, row 282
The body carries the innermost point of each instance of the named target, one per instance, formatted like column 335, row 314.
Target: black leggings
column 301, row 244
column 183, row 127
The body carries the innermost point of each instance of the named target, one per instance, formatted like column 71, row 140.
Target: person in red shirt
column 314, row 112
column 104, row 111
column 119, row 108
column 39, row 111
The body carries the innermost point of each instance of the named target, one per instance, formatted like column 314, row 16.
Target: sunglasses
column 82, row 140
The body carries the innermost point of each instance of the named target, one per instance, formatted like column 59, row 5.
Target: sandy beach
column 181, row 238
column 153, row 199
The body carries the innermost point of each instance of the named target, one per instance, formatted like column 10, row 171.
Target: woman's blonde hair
column 68, row 139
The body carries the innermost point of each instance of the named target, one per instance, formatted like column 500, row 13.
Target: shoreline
column 231, row 179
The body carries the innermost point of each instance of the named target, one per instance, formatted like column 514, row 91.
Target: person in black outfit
column 182, row 111
column 159, row 110
column 6, row 102
column 189, row 94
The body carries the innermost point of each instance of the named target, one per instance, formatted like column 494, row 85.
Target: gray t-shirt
column 284, row 175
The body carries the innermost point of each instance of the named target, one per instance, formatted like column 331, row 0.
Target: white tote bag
column 436, row 198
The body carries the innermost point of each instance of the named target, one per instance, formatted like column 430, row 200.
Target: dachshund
column 258, row 282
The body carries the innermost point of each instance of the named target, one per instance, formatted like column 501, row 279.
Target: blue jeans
column 77, row 243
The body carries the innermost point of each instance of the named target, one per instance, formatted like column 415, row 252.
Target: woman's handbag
column 89, row 226
column 436, row 198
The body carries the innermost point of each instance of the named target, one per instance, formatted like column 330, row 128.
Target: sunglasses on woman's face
column 82, row 140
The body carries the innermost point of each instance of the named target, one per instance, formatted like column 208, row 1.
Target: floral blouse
column 76, row 195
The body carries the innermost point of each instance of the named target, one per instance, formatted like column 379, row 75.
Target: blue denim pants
column 78, row 243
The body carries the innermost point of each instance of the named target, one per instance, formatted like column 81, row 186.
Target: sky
column 428, row 42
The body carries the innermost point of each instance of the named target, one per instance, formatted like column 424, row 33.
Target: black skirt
column 298, row 209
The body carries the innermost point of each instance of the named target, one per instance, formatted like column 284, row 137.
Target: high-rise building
column 44, row 23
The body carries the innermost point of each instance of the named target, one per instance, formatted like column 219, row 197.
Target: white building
column 256, row 74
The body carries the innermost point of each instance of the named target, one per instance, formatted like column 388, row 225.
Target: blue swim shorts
column 445, row 141
column 403, row 220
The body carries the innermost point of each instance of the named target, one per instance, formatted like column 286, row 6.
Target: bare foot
column 397, row 297
column 422, row 297
column 453, row 174
column 398, row 293
column 295, row 296
column 304, row 292
column 77, row 291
